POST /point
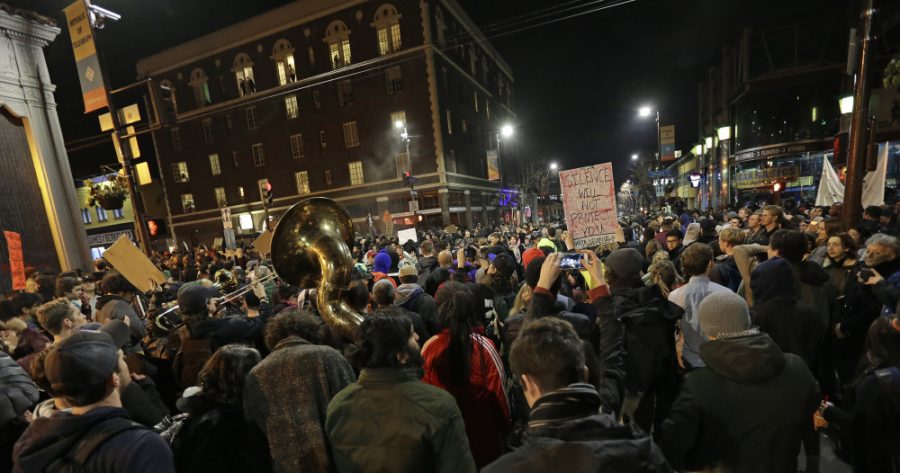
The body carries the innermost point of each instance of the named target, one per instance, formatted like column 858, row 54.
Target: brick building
column 308, row 96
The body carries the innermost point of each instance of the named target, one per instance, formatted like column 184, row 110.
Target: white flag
column 830, row 188
column 873, row 183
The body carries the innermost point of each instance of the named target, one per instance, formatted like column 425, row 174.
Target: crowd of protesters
column 714, row 341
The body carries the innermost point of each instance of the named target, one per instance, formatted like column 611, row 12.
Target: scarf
column 571, row 402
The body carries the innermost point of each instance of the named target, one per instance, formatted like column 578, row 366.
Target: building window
column 118, row 214
column 401, row 160
column 208, row 130
column 234, row 159
column 449, row 115
column 394, row 80
column 229, row 125
column 243, row 74
column 351, row 137
column 345, row 93
column 214, row 166
column 451, row 161
column 464, row 125
column 338, row 38
column 241, row 192
column 328, row 181
column 101, row 214
column 316, row 101
column 187, row 203
column 297, row 146
column 283, row 55
column 168, row 85
column 487, row 109
column 387, row 26
column 176, row 139
column 250, row 114
column 473, row 61
column 475, row 93
column 221, row 201
column 200, row 83
column 302, row 180
column 440, row 25
column 322, row 141
column 86, row 216
column 446, row 79
column 259, row 158
column 290, row 105
column 180, row 171
column 356, row 173
column 398, row 116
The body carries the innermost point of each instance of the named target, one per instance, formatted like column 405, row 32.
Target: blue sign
column 660, row 173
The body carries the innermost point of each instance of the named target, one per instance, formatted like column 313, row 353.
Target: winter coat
column 482, row 398
column 116, row 307
column 570, row 432
column 136, row 450
column 427, row 264
column 17, row 391
column 437, row 277
column 217, row 439
column 287, row 395
column 745, row 411
column 725, row 273
column 389, row 421
column 413, row 298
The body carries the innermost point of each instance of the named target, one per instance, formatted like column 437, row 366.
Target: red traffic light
column 776, row 187
column 268, row 186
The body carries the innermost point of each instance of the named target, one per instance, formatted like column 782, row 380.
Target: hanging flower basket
column 110, row 195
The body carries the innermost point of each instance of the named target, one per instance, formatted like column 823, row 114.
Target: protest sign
column 263, row 243
column 133, row 264
column 16, row 260
column 405, row 235
column 589, row 204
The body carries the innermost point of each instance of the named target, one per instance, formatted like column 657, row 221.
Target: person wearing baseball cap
column 88, row 370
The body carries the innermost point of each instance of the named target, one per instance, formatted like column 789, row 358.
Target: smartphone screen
column 571, row 261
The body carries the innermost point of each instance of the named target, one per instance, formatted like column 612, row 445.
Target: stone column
column 444, row 198
column 469, row 220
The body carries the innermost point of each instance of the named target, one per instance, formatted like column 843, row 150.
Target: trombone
column 231, row 296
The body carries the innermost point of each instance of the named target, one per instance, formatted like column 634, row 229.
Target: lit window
column 449, row 122
column 322, row 140
column 464, row 125
column 187, row 203
column 387, row 27
column 283, row 54
column 176, row 139
column 290, row 105
column 345, row 93
column 241, row 192
column 180, row 171
column 118, row 214
column 243, row 74
column 338, row 38
column 214, row 165
column 250, row 113
column 351, row 137
column 207, row 130
column 316, row 101
column 86, row 215
column 356, row 173
column 245, row 220
column 451, row 161
column 259, row 158
column 200, row 83
column 328, row 181
column 297, row 146
column 101, row 214
column 394, row 80
column 220, row 197
column 302, row 180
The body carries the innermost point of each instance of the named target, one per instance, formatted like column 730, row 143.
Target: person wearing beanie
column 382, row 267
column 748, row 408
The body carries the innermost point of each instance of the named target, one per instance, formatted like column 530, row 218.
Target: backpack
column 649, row 341
column 192, row 354
column 77, row 456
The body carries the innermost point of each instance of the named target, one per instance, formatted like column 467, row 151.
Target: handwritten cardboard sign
column 263, row 243
column 16, row 260
column 133, row 264
column 405, row 235
column 589, row 203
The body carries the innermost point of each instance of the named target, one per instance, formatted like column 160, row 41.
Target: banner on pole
column 493, row 165
column 93, row 91
column 16, row 260
column 667, row 143
column 589, row 204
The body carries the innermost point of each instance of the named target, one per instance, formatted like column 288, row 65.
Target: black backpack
column 77, row 456
column 192, row 354
column 649, row 340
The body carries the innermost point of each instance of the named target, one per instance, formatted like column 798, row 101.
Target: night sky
column 578, row 82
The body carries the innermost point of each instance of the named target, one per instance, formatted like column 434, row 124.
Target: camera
column 571, row 261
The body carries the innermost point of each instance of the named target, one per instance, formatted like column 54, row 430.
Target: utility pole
column 856, row 160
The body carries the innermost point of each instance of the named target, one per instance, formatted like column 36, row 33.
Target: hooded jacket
column 413, row 298
column 116, row 307
column 134, row 450
column 745, row 411
column 427, row 264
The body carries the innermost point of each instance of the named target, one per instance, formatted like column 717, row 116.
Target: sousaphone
column 311, row 249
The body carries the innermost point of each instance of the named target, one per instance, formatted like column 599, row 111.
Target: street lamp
column 404, row 136
column 554, row 166
column 634, row 157
column 506, row 130
column 647, row 111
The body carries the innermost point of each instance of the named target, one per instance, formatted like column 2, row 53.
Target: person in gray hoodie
column 410, row 296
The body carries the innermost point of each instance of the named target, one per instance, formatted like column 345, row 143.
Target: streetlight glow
column 398, row 124
column 506, row 130
column 554, row 166
column 634, row 157
column 644, row 111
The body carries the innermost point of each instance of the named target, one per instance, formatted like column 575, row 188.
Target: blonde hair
column 662, row 273
column 520, row 304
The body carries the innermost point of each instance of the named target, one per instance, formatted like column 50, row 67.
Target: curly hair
column 380, row 338
column 224, row 374
column 293, row 322
column 52, row 315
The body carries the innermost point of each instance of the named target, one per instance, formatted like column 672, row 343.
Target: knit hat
column 626, row 264
column 81, row 361
column 115, row 328
column 772, row 278
column 692, row 234
column 723, row 313
column 382, row 262
column 531, row 254
column 192, row 299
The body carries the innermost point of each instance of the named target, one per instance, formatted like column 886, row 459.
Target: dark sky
column 578, row 82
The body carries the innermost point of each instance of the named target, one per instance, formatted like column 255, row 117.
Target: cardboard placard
column 16, row 260
column 133, row 264
column 405, row 235
column 589, row 204
column 263, row 243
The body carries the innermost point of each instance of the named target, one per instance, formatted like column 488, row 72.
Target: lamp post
column 404, row 136
column 506, row 132
column 645, row 112
column 723, row 133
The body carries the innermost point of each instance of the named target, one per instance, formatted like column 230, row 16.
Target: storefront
column 774, row 173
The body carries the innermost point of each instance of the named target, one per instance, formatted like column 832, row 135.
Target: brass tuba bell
column 311, row 249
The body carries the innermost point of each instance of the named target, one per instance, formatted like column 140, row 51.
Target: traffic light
column 268, row 197
column 406, row 176
column 778, row 186
column 164, row 102
column 156, row 227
